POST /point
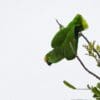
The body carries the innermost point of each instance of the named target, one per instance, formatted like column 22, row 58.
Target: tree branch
column 93, row 74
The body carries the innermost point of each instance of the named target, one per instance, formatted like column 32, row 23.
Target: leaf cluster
column 91, row 52
column 96, row 91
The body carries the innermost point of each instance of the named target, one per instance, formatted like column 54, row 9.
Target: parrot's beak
column 46, row 60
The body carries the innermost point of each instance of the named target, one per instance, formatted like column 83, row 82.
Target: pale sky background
column 26, row 30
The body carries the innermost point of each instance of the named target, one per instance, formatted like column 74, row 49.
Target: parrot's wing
column 70, row 44
column 61, row 35
column 54, row 56
column 59, row 38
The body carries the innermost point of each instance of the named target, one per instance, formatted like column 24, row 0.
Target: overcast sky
column 26, row 30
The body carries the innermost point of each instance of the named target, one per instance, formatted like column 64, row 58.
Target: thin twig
column 87, row 69
column 83, row 63
column 89, row 43
column 82, row 89
column 60, row 25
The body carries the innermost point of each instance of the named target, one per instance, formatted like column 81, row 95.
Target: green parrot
column 65, row 42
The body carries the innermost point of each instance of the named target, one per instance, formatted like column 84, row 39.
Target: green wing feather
column 59, row 38
column 61, row 35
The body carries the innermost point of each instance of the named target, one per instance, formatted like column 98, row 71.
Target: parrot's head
column 80, row 23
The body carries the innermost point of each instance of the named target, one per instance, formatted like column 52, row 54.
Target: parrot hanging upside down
column 65, row 42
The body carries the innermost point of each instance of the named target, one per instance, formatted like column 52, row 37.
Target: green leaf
column 69, row 85
column 98, row 85
column 98, row 48
column 96, row 91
